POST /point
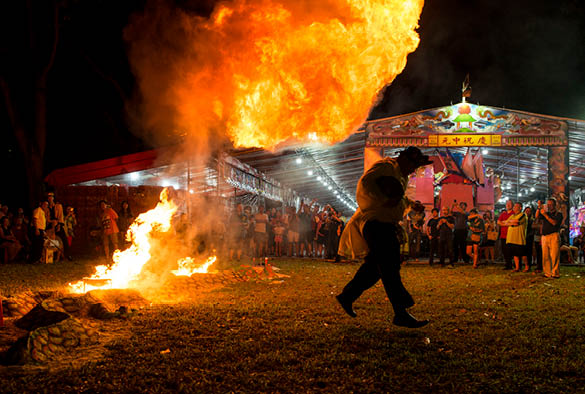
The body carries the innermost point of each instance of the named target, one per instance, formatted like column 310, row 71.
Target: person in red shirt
column 504, row 233
column 108, row 218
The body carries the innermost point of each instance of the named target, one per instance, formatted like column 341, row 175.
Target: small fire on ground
column 188, row 267
column 128, row 264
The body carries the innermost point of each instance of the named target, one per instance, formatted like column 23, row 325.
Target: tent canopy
column 330, row 173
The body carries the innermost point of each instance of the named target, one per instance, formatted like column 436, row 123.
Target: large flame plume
column 128, row 264
column 263, row 73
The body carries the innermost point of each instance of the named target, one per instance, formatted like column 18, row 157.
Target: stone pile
column 59, row 323
column 20, row 304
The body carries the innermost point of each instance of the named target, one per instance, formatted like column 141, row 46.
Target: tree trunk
column 34, row 177
column 35, row 159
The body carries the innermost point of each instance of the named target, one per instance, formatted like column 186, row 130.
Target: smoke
column 195, row 233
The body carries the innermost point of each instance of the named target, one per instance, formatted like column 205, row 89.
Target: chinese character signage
column 464, row 140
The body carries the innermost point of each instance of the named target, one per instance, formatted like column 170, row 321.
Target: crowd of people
column 310, row 231
column 44, row 236
column 47, row 234
column 525, row 237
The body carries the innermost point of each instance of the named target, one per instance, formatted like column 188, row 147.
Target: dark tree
column 30, row 38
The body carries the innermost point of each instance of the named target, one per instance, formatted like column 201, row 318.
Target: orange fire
column 188, row 266
column 272, row 71
column 128, row 264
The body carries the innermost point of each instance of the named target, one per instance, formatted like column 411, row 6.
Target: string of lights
column 325, row 179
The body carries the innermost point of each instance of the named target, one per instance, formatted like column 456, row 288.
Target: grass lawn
column 491, row 331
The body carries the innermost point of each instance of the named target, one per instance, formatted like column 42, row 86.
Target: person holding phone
column 550, row 238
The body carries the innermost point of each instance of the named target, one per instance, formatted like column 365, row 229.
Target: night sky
column 522, row 55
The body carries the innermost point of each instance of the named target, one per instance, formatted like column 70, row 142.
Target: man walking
column 373, row 232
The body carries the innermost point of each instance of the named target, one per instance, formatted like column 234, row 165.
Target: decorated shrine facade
column 470, row 125
column 466, row 124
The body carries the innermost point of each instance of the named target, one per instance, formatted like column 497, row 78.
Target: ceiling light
column 319, row 178
column 485, row 151
column 134, row 176
column 329, row 188
column 310, row 172
column 299, row 160
column 532, row 189
column 570, row 177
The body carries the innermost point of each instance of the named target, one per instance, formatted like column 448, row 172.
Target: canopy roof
column 520, row 167
column 330, row 173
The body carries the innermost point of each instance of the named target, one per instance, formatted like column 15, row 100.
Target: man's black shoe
column 346, row 306
column 407, row 320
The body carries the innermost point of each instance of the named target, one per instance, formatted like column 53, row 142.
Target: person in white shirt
column 260, row 233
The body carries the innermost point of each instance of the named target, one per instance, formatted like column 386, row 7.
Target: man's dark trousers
column 382, row 262
column 508, row 258
column 538, row 250
column 460, row 245
column 433, row 248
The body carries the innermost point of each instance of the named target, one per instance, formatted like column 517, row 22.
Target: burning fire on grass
column 129, row 264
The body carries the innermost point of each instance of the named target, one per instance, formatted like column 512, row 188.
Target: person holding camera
column 445, row 226
column 550, row 237
column 374, row 232
column 516, row 237
column 537, row 228
column 475, row 236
